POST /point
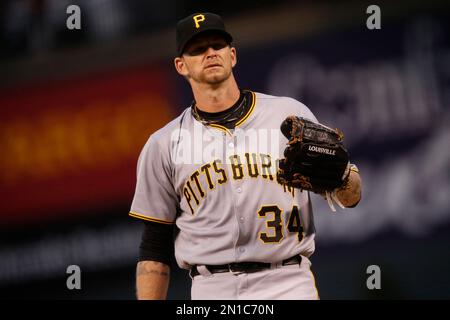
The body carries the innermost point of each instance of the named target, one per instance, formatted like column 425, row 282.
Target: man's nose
column 211, row 52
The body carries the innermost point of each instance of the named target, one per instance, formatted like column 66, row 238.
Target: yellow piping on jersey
column 218, row 126
column 250, row 111
column 140, row 216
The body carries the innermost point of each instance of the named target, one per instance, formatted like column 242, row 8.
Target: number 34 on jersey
column 274, row 224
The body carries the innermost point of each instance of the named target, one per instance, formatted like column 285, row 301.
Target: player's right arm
column 155, row 202
column 152, row 280
column 155, row 255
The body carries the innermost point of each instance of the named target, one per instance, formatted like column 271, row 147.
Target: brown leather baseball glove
column 315, row 157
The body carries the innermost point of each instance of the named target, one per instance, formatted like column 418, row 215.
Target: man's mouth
column 213, row 65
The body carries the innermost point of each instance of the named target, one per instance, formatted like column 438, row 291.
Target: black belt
column 246, row 267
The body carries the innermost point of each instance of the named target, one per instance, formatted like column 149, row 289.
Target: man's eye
column 218, row 46
column 197, row 51
column 201, row 49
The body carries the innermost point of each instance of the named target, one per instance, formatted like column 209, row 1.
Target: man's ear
column 233, row 56
column 180, row 66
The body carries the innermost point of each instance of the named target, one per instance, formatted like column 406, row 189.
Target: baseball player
column 211, row 176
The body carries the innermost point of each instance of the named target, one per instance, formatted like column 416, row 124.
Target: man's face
column 207, row 59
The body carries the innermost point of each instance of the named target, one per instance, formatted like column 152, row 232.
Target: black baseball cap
column 197, row 23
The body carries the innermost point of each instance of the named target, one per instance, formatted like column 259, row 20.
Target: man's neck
column 216, row 98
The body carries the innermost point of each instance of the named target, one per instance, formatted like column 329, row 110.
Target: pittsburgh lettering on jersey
column 210, row 175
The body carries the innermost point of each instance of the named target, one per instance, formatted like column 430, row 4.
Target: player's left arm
column 349, row 194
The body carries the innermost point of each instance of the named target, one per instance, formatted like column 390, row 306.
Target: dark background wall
column 76, row 106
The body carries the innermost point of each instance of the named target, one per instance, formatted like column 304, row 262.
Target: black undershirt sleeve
column 157, row 242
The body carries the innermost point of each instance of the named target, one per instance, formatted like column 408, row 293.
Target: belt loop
column 276, row 265
column 203, row 270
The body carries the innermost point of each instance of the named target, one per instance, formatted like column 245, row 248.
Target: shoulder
column 284, row 105
column 162, row 137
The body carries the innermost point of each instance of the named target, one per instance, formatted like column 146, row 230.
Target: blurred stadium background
column 76, row 107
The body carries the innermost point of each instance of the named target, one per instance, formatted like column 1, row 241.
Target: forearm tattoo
column 149, row 267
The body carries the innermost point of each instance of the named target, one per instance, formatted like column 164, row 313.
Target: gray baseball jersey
column 219, row 186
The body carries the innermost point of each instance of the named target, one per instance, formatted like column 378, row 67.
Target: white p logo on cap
column 197, row 19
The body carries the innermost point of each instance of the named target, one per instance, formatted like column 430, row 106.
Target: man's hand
column 350, row 193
